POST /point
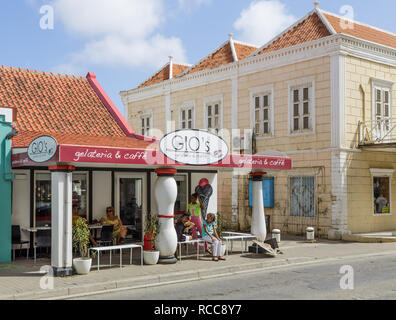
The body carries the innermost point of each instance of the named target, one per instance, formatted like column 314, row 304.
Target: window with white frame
column 213, row 113
column 381, row 179
column 146, row 124
column 213, row 116
column 302, row 196
column 187, row 117
column 302, row 109
column 262, row 114
column 382, row 106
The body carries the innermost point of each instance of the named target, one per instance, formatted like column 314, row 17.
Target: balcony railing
column 377, row 132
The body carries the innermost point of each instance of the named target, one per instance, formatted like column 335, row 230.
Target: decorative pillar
column 165, row 193
column 61, row 213
column 258, row 227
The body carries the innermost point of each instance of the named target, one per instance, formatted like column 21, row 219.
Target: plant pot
column 151, row 257
column 82, row 265
column 223, row 249
column 148, row 242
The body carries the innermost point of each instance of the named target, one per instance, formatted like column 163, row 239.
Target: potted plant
column 150, row 255
column 220, row 229
column 80, row 236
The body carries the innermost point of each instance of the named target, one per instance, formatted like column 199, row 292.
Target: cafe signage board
column 194, row 147
column 42, row 149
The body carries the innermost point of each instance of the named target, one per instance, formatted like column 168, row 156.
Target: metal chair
column 106, row 236
column 16, row 239
column 43, row 240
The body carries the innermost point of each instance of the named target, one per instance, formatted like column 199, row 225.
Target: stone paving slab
column 21, row 280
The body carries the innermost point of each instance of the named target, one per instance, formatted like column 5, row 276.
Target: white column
column 338, row 93
column 168, row 118
column 339, row 191
column 165, row 193
column 61, row 212
column 258, row 227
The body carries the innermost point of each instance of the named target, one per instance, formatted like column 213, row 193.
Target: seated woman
column 209, row 234
column 110, row 219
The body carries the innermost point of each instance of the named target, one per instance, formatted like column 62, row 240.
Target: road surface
column 370, row 277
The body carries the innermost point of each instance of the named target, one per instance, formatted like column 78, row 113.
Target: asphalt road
column 372, row 278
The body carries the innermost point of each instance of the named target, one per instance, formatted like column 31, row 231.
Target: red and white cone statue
column 258, row 227
column 165, row 193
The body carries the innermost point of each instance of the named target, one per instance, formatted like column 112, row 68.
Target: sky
column 124, row 42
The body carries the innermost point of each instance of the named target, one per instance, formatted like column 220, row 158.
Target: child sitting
column 210, row 235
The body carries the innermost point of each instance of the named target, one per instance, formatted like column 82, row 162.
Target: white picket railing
column 380, row 131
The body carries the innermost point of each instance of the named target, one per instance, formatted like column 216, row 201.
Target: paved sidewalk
column 21, row 280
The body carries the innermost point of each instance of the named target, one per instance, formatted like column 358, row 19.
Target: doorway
column 131, row 203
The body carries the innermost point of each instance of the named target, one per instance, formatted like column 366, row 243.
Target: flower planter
column 223, row 249
column 150, row 257
column 148, row 242
column 82, row 265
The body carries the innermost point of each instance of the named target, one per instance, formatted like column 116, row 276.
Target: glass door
column 42, row 200
column 182, row 196
column 131, row 203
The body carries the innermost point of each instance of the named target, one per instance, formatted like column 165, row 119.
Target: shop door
column 131, row 203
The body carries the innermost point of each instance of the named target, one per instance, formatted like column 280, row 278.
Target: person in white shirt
column 381, row 202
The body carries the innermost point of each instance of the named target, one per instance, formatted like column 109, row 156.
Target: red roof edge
column 91, row 77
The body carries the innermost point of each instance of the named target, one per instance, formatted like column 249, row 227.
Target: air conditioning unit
column 246, row 142
column 243, row 142
column 236, row 143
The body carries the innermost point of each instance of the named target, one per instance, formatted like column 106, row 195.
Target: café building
column 72, row 146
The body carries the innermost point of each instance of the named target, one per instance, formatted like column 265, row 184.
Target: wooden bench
column 120, row 247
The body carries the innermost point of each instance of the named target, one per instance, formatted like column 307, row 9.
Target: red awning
column 76, row 154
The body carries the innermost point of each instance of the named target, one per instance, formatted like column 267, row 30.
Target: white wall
column 101, row 193
column 21, row 202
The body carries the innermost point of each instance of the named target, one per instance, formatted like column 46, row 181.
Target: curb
column 362, row 239
column 150, row 281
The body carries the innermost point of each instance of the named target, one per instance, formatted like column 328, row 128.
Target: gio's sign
column 194, row 147
column 42, row 149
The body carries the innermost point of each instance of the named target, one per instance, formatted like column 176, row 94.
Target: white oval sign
column 42, row 149
column 194, row 147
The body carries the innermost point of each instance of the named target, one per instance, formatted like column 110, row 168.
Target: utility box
column 6, row 177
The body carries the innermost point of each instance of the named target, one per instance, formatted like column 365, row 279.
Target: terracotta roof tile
column 243, row 50
column 23, row 139
column 221, row 56
column 66, row 107
column 163, row 74
column 309, row 29
column 363, row 32
column 55, row 103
